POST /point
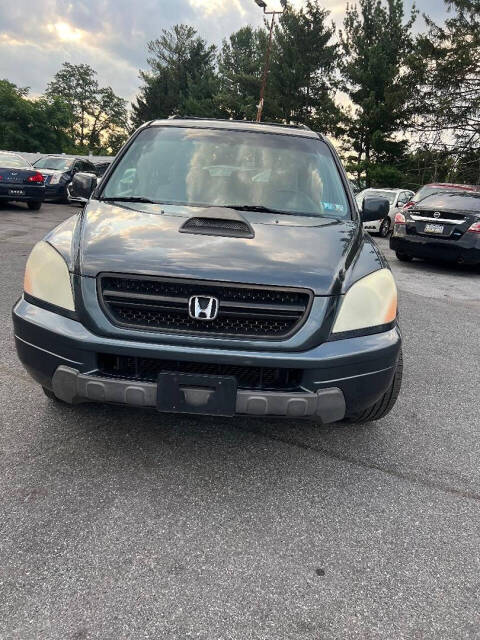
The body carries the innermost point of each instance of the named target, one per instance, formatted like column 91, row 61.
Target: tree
column 377, row 45
column 32, row 125
column 96, row 113
column 240, row 65
column 302, row 81
column 181, row 80
column 449, row 93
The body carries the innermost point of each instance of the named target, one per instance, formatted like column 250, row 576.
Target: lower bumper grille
column 165, row 304
column 147, row 370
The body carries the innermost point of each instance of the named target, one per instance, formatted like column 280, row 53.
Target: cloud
column 111, row 35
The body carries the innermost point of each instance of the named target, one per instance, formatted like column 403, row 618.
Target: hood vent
column 228, row 225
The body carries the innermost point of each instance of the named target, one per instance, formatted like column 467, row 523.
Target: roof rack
column 269, row 124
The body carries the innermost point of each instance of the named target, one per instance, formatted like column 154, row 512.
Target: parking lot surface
column 118, row 523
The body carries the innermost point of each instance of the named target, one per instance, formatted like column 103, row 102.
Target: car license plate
column 16, row 192
column 192, row 393
column 434, row 228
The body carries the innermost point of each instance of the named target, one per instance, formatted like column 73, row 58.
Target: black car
column 442, row 226
column 58, row 172
column 220, row 268
column 20, row 182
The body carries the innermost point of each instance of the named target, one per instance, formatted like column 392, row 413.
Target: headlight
column 47, row 277
column 55, row 179
column 370, row 302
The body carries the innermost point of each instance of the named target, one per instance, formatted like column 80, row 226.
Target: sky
column 36, row 36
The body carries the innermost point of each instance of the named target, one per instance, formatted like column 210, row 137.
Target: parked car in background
column 59, row 171
column 20, row 182
column 439, row 187
column 445, row 225
column 397, row 199
column 246, row 287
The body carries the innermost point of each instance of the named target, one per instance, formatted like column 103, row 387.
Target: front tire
column 34, row 206
column 384, row 228
column 51, row 396
column 403, row 257
column 386, row 403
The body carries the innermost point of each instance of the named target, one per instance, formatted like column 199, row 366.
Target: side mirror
column 83, row 185
column 374, row 209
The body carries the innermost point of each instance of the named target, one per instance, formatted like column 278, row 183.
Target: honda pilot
column 219, row 268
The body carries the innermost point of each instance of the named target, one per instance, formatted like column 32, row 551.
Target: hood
column 297, row 251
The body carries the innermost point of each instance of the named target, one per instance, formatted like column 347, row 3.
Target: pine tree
column 181, row 80
column 240, row 65
column 303, row 67
column 377, row 44
column 449, row 93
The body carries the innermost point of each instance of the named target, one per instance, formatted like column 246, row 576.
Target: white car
column 397, row 199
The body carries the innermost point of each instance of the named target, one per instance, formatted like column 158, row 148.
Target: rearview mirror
column 83, row 185
column 374, row 209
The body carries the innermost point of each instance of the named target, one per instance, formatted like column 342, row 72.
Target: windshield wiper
column 129, row 199
column 251, row 207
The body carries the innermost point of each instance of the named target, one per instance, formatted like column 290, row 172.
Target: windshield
column 454, row 201
column 205, row 167
column 376, row 193
column 12, row 162
column 57, row 164
column 430, row 191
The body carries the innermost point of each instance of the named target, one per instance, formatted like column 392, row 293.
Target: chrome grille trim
column 420, row 218
column 161, row 304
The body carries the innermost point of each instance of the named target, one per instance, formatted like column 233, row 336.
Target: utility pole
column 266, row 67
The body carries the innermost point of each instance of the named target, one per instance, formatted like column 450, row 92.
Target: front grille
column 162, row 304
column 147, row 370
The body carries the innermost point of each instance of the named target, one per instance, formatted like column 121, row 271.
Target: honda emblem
column 203, row 307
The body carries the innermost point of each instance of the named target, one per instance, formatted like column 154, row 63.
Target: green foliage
column 449, row 89
column 376, row 45
column 240, row 65
column 31, row 125
column 96, row 114
column 414, row 103
column 181, row 80
column 300, row 86
column 303, row 68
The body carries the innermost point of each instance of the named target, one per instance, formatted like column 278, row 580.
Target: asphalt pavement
column 117, row 524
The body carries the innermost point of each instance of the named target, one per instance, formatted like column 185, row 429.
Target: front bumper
column 74, row 387
column 465, row 250
column 56, row 191
column 338, row 377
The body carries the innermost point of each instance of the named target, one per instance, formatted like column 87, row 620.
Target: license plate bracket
column 434, row 228
column 194, row 393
